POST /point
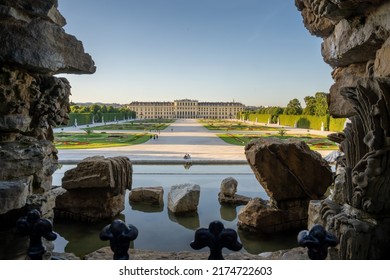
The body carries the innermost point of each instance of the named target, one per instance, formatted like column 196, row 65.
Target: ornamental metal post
column 317, row 241
column 120, row 236
column 216, row 237
column 36, row 228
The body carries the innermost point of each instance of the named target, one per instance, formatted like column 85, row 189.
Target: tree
column 310, row 108
column 293, row 108
column 321, row 104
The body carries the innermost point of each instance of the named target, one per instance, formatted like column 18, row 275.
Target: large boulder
column 292, row 175
column 288, row 169
column 183, row 198
column 95, row 188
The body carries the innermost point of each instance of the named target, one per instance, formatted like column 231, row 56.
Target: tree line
column 98, row 110
column 316, row 105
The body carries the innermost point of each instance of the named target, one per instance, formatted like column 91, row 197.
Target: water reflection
column 146, row 207
column 228, row 212
column 161, row 230
column 189, row 220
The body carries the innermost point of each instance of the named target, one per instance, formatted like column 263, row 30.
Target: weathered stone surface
column 237, row 199
column 26, row 10
column 228, row 187
column 32, row 104
column 227, row 194
column 382, row 66
column 95, row 188
column 89, row 205
column 113, row 173
column 36, row 40
column 292, row 254
column 153, row 195
column 34, row 47
column 357, row 209
column 291, row 174
column 183, row 198
column 288, row 170
column 313, row 21
column 344, row 77
column 261, row 216
column 28, row 156
column 13, row 194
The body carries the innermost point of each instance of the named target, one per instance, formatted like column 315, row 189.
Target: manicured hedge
column 260, row 118
column 303, row 121
column 86, row 118
column 82, row 118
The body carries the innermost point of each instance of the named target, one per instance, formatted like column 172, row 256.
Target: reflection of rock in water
column 255, row 243
column 187, row 220
column 228, row 212
column 146, row 207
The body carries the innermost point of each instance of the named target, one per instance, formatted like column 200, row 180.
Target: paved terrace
column 183, row 136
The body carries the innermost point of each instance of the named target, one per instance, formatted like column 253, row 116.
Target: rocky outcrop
column 36, row 40
column 292, row 175
column 152, row 195
column 183, row 198
column 34, row 47
column 95, row 188
column 357, row 47
column 227, row 193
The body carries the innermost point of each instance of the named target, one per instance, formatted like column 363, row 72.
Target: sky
column 252, row 51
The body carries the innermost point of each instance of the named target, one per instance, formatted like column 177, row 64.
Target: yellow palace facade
column 186, row 109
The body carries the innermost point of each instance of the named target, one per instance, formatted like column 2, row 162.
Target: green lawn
column 314, row 142
column 98, row 140
column 234, row 125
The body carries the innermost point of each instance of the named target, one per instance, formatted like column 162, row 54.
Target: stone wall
column 356, row 44
column 33, row 48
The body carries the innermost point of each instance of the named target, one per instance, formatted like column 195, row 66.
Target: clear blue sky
column 253, row 51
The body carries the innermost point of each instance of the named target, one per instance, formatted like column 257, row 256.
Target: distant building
column 186, row 109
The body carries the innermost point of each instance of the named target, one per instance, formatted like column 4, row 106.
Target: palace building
column 186, row 109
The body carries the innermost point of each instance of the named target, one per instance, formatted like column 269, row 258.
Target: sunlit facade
column 186, row 109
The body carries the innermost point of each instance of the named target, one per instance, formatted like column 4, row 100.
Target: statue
column 120, row 236
column 36, row 228
column 317, row 240
column 216, row 237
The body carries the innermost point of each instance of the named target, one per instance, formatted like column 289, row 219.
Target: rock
column 95, row 189
column 106, row 254
column 32, row 104
column 261, row 216
column 227, row 194
column 114, row 174
column 37, row 42
column 358, row 50
column 235, row 200
column 183, row 198
column 228, row 187
column 33, row 9
column 32, row 101
column 27, row 156
column 288, row 170
column 152, row 195
column 381, row 66
column 13, row 194
column 278, row 167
